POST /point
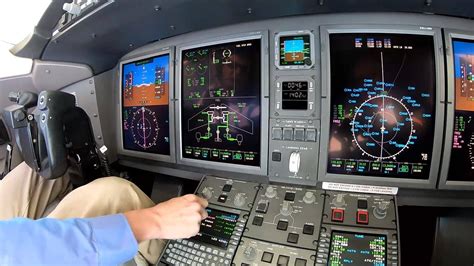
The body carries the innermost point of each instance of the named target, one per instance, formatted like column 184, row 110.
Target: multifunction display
column 357, row 249
column 220, row 99
column 294, row 95
column 462, row 152
column 145, row 105
column 382, row 105
column 295, row 50
column 217, row 228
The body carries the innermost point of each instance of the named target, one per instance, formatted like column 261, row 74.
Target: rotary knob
column 250, row 253
column 239, row 199
column 206, row 193
column 380, row 210
column 270, row 192
column 339, row 201
column 286, row 209
column 309, row 197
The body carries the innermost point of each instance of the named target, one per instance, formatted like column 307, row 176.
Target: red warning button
column 362, row 217
column 337, row 215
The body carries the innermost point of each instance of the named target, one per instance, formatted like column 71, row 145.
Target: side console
column 358, row 229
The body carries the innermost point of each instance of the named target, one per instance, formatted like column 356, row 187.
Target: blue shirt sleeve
column 106, row 240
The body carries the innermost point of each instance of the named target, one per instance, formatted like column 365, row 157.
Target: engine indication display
column 383, row 108
column 220, row 91
column 145, row 105
column 462, row 152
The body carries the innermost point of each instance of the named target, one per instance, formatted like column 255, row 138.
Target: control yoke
column 55, row 135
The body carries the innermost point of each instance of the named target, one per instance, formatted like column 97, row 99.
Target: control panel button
column 290, row 196
column 257, row 220
column 308, row 229
column 337, row 215
column 262, row 206
column 362, row 204
column 300, row 262
column 227, row 188
column 277, row 133
column 222, row 198
column 362, row 217
column 292, row 238
column 276, row 156
column 283, row 260
column 267, row 257
column 310, row 134
column 287, row 133
column 282, row 225
column 299, row 134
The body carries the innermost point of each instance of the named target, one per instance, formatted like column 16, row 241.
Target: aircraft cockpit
column 319, row 132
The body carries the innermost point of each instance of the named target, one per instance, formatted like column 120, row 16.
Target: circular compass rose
column 144, row 128
column 382, row 127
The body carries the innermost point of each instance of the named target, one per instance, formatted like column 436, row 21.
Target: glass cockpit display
column 220, row 102
column 295, row 50
column 462, row 152
column 383, row 93
column 145, row 105
column 357, row 249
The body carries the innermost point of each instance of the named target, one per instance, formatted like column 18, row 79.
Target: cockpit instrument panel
column 220, row 103
column 145, row 111
column 462, row 150
column 382, row 107
column 294, row 49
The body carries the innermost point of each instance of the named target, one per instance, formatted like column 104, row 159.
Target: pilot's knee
column 113, row 184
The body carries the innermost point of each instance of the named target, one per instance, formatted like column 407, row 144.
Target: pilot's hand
column 176, row 218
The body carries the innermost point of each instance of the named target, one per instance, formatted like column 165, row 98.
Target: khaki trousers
column 23, row 193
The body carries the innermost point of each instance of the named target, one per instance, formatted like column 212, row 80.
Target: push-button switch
column 337, row 215
column 362, row 217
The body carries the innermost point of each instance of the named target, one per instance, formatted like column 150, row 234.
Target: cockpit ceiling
column 105, row 36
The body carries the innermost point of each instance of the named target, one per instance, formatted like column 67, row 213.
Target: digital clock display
column 295, row 95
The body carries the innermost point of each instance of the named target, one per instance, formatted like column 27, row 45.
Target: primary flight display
column 462, row 152
column 383, row 93
column 220, row 102
column 145, row 105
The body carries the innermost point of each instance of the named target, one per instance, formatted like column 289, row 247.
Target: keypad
column 190, row 252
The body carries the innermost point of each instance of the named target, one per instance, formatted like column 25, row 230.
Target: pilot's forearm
column 105, row 240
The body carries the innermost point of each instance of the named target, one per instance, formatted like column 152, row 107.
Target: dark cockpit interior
column 321, row 132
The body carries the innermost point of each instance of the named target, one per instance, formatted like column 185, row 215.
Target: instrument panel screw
column 157, row 8
column 249, row 10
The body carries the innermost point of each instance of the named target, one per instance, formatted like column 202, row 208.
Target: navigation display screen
column 357, row 249
column 294, row 95
column 145, row 110
column 294, row 50
column 217, row 228
column 382, row 105
column 462, row 153
column 220, row 103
